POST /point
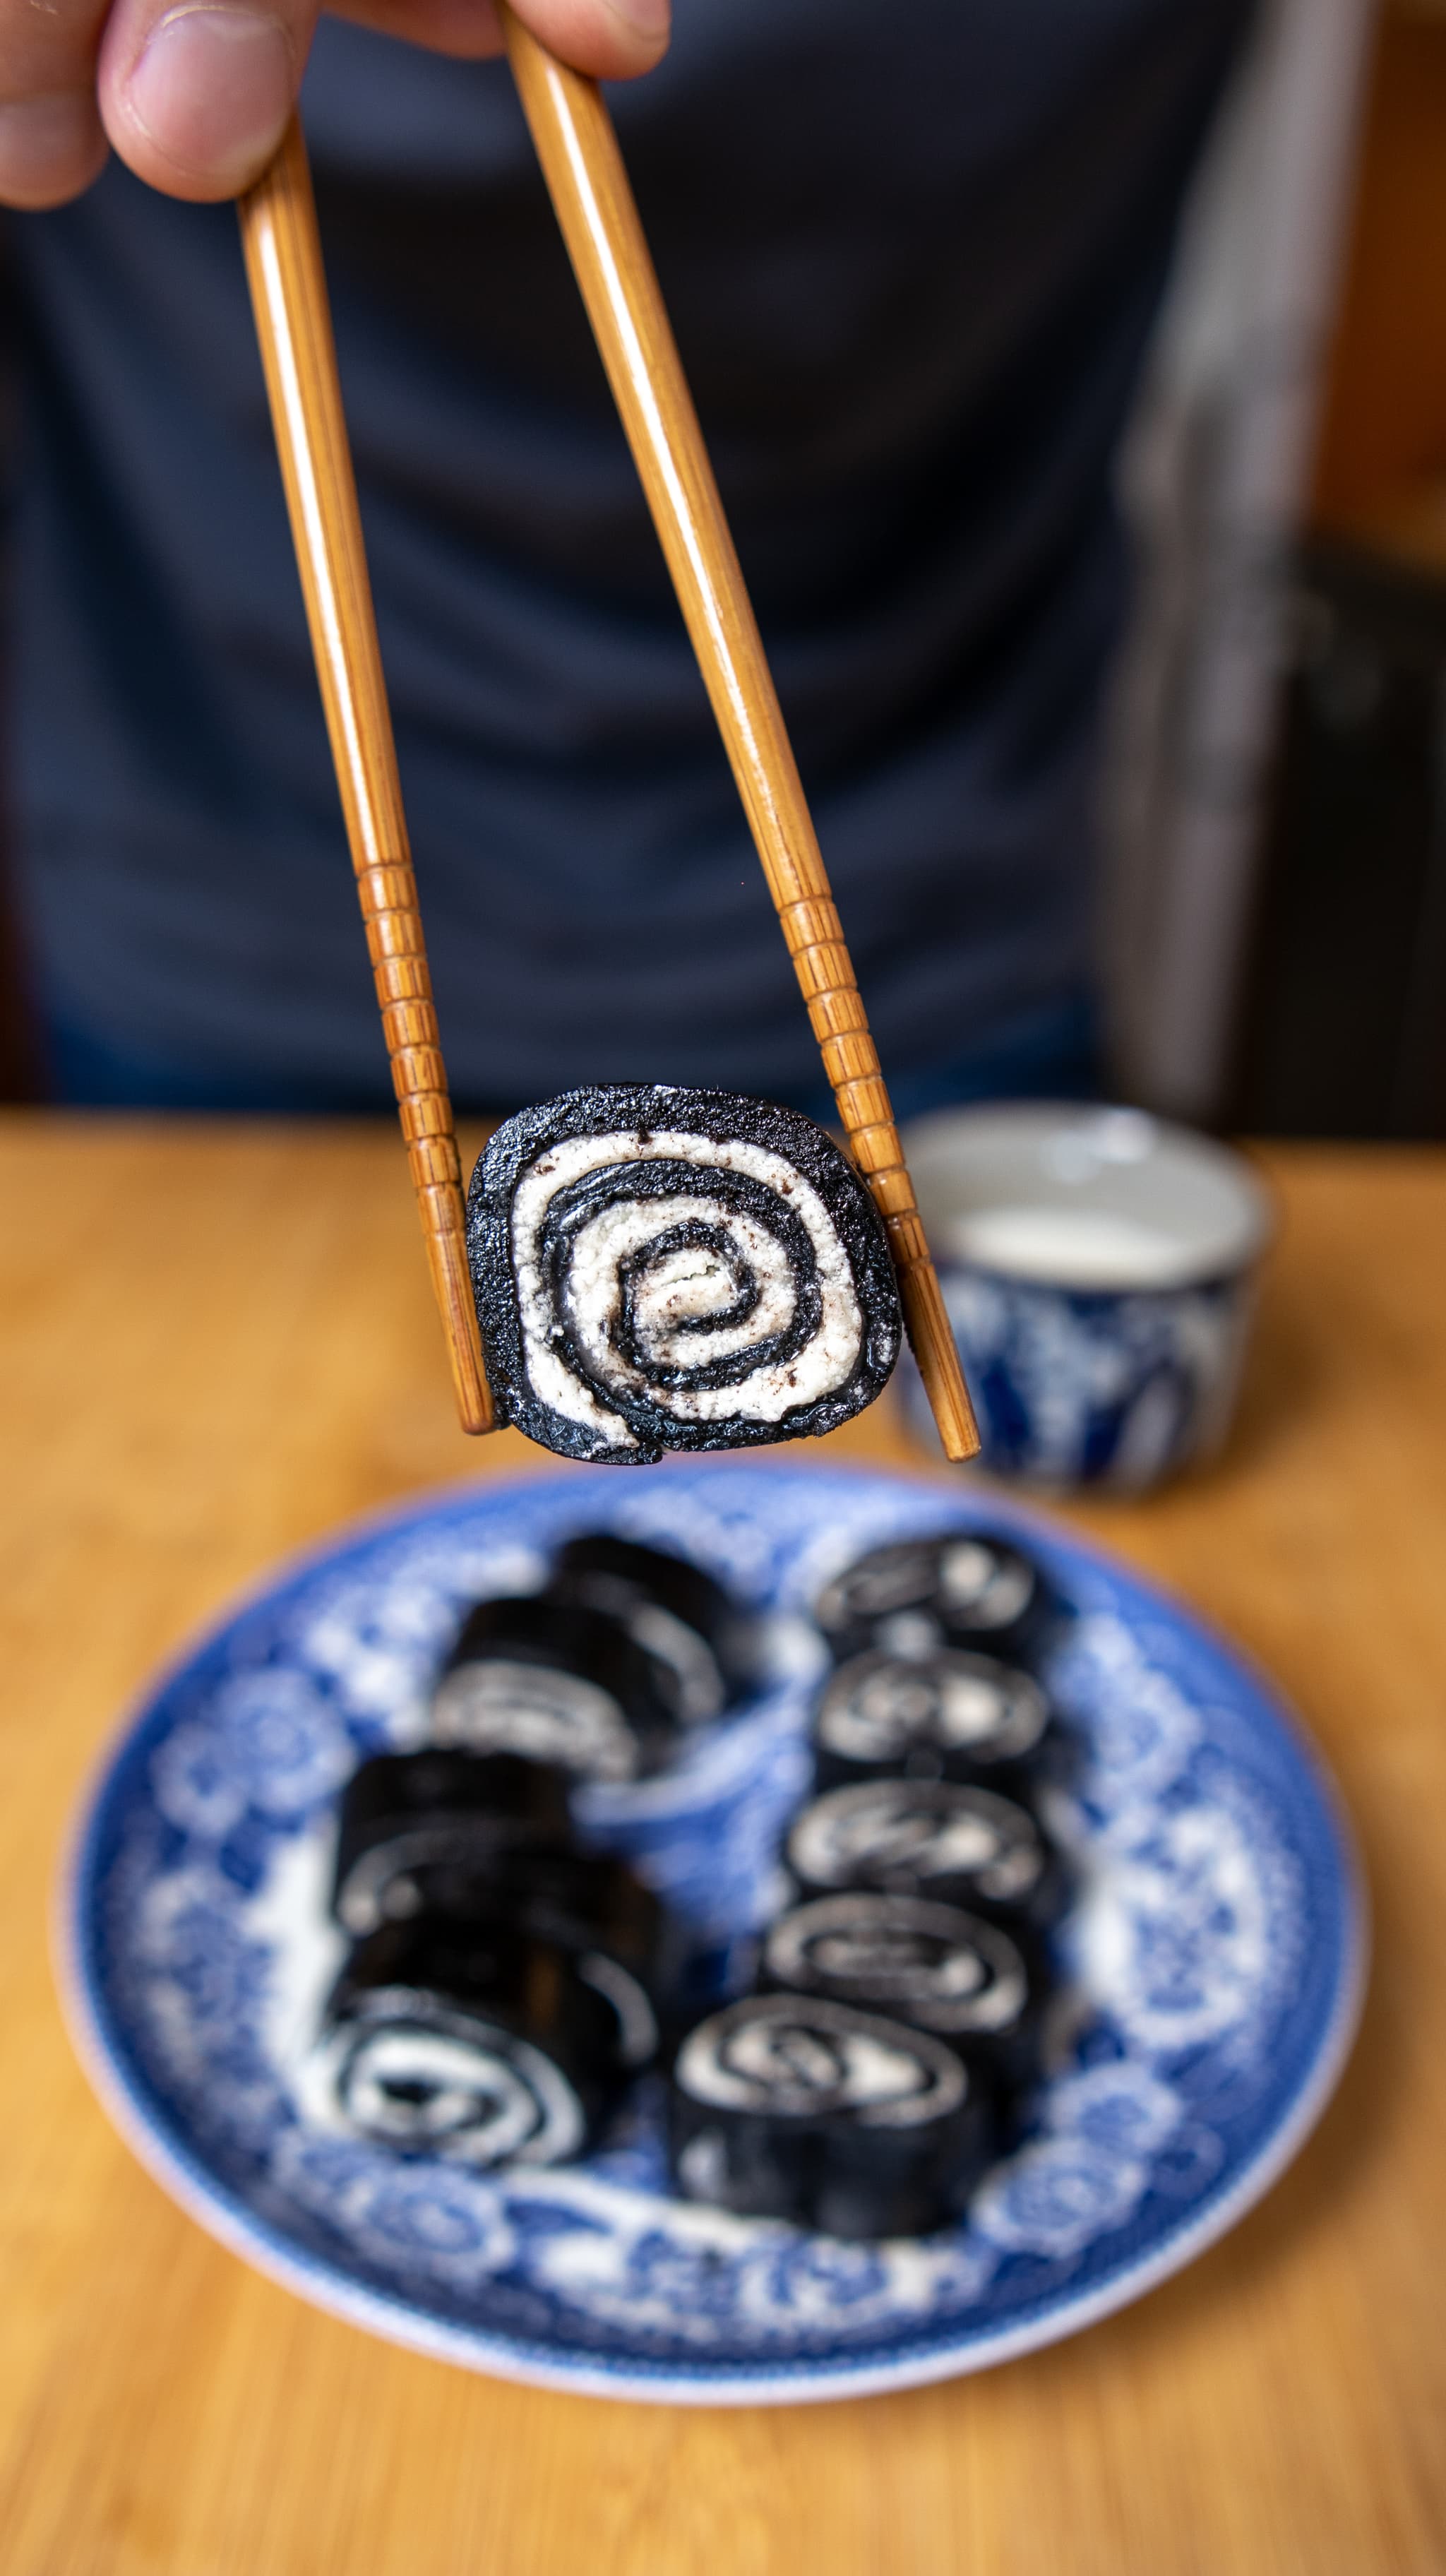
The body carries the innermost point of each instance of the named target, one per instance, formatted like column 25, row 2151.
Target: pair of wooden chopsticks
column 578, row 149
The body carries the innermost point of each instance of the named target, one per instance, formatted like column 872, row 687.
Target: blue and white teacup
column 1098, row 1267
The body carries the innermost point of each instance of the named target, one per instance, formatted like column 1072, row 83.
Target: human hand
column 194, row 94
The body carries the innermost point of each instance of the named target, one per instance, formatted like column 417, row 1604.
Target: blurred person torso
column 911, row 256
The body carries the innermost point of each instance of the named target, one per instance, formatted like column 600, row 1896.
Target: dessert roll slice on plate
column 947, row 1715
column 789, row 2106
column 930, row 1965
column 959, row 1588
column 670, row 1606
column 658, row 1268
column 558, row 1682
column 475, row 2042
column 942, row 1839
column 486, row 1840
column 405, row 1814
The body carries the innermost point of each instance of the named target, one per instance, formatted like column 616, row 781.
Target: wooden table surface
column 215, row 1342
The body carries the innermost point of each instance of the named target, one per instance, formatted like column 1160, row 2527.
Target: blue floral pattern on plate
column 1217, row 1957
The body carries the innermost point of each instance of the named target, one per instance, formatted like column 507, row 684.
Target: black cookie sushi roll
column 557, row 1682
column 958, row 1588
column 930, row 1965
column 658, row 1268
column 477, row 2044
column 942, row 1839
column 789, row 2106
column 402, row 1813
column 948, row 1715
column 686, row 1621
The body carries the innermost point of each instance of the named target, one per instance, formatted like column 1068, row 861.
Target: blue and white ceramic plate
column 1218, row 1952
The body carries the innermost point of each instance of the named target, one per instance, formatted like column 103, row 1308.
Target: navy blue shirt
column 911, row 256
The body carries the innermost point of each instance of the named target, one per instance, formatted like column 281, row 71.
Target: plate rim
column 816, row 2380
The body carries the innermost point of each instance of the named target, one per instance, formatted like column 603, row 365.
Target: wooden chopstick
column 293, row 325
column 583, row 167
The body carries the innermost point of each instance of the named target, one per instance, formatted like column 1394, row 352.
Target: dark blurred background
column 1277, row 935
column 1341, row 1029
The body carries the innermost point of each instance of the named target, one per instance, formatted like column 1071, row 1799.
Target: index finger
column 195, row 94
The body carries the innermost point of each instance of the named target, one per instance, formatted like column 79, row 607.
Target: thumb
column 614, row 39
column 195, row 94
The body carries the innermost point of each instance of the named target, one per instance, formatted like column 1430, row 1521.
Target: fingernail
column 647, row 18
column 212, row 91
column 50, row 147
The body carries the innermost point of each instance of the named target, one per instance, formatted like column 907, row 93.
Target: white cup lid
column 1079, row 1197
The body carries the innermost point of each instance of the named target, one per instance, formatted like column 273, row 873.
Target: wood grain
column 293, row 325
column 1275, row 2411
column 584, row 170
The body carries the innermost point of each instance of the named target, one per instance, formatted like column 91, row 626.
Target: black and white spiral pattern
column 543, row 1715
column 443, row 2085
column 964, row 1587
column 920, row 1837
column 929, row 1964
column 658, row 1268
column 880, row 1710
column 795, row 2057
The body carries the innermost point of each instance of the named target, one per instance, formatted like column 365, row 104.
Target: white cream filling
column 684, row 1288
column 977, row 1585
column 860, row 1829
column 874, row 1713
column 408, row 2086
column 682, row 1285
column 782, row 2064
column 532, row 1709
column 637, row 2022
column 679, row 1646
column 787, row 2067
column 911, row 1951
